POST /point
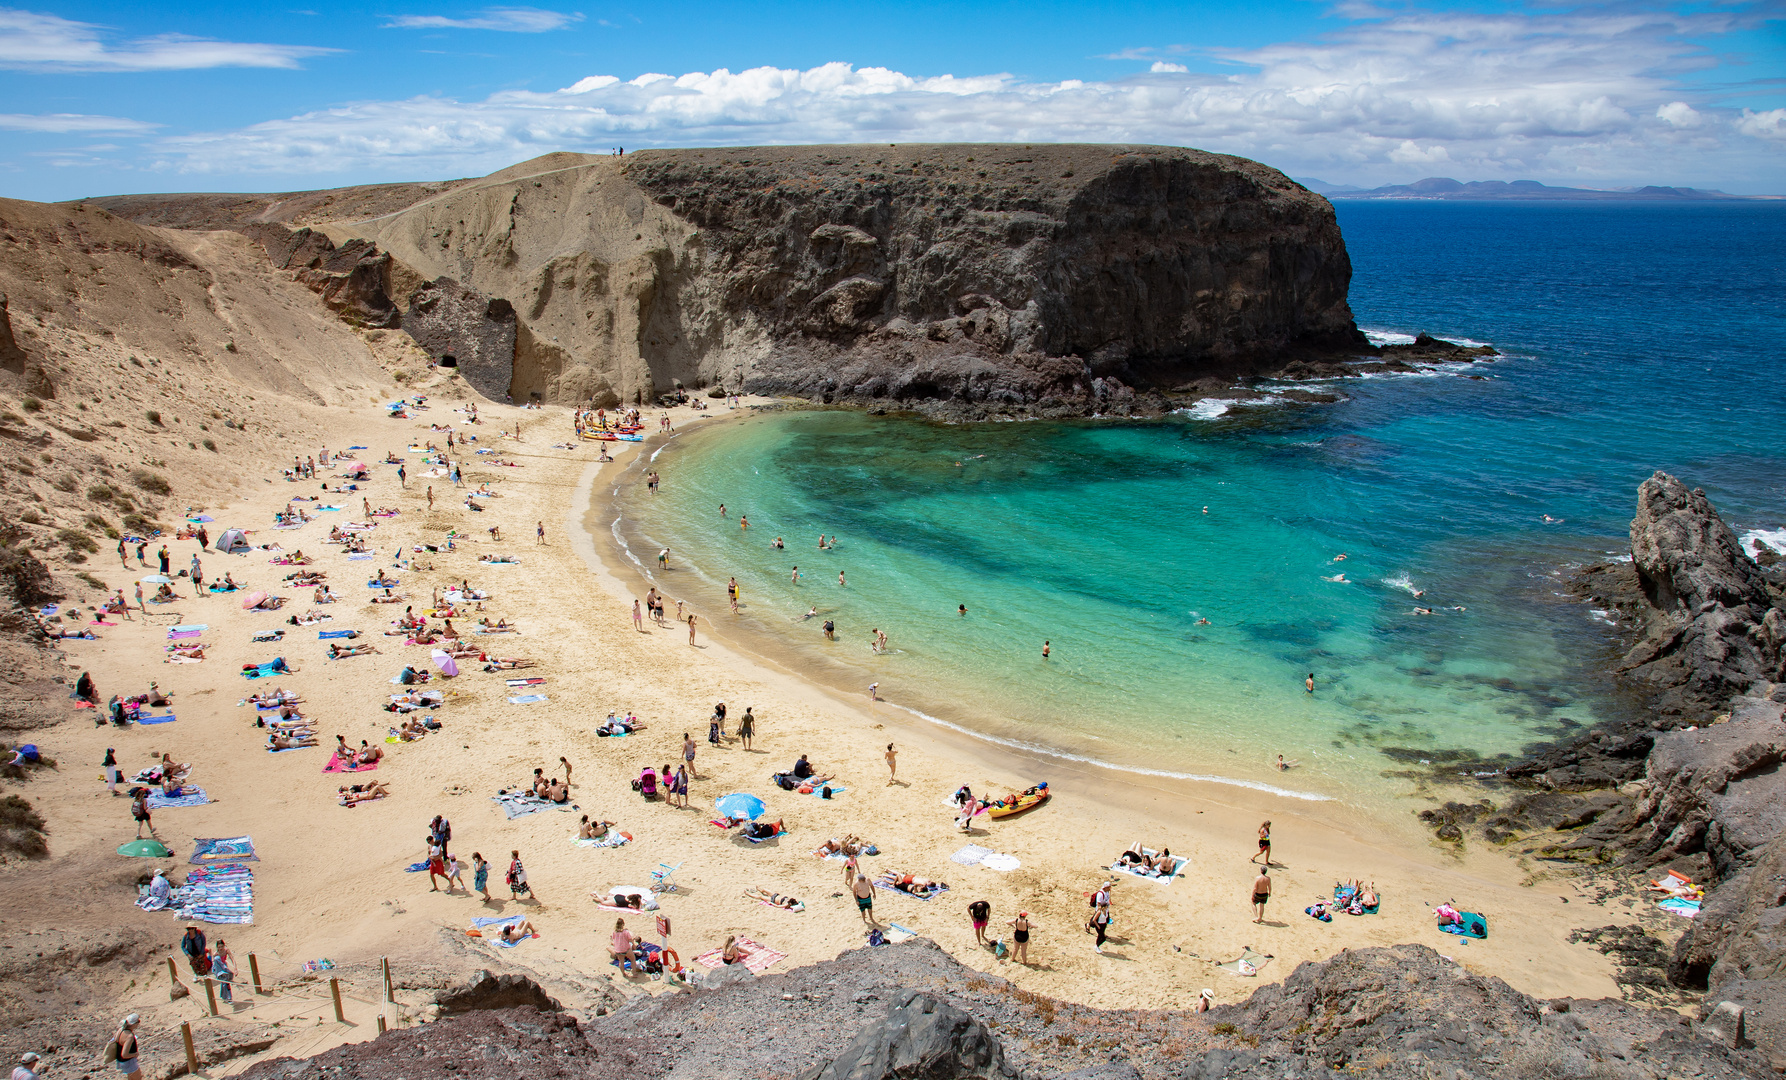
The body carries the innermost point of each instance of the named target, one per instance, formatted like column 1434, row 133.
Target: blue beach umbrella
column 740, row 805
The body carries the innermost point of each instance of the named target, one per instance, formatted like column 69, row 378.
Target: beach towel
column 324, row 635
column 1472, row 925
column 911, row 896
column 615, row 838
column 535, row 681
column 1676, row 905
column 647, row 949
column 1001, row 862
column 819, row 792
column 1248, row 963
column 337, row 765
column 970, row 855
column 168, row 719
column 763, row 839
column 268, row 635
column 177, row 635
column 190, row 796
column 758, row 958
column 311, row 967
column 415, row 868
column 185, row 627
column 496, row 925
column 527, row 699
column 216, row 894
column 1342, row 901
column 223, row 849
column 521, row 803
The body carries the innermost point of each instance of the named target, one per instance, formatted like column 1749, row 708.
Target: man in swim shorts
column 1261, row 893
column 863, row 890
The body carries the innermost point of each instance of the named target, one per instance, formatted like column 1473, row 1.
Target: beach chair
column 663, row 878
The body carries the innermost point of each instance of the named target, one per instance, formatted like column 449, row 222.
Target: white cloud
column 33, row 41
column 1563, row 96
column 61, row 123
column 518, row 20
column 1763, row 125
column 1163, row 67
column 1680, row 114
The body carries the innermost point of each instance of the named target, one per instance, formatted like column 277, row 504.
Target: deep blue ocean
column 1637, row 337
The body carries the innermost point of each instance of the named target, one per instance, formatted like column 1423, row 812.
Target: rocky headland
column 962, row 281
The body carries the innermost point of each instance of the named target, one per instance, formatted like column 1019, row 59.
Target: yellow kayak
column 1029, row 800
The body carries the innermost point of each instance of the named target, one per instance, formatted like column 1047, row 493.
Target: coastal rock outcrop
column 967, row 279
column 463, row 328
column 351, row 279
column 1717, row 628
column 1718, row 789
column 919, row 1037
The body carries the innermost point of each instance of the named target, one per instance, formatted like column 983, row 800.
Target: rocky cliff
column 1039, row 279
column 910, row 1012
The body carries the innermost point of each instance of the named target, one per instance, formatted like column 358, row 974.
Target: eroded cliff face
column 1041, row 279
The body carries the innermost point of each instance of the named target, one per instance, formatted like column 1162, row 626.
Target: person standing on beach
column 1264, row 844
column 517, row 877
column 123, row 558
column 567, row 770
column 144, row 608
column 480, row 875
column 663, row 559
column 638, row 617
column 1099, row 924
column 979, row 913
column 430, row 496
column 691, row 629
column 892, row 757
column 1020, row 928
column 688, row 754
column 142, row 546
column 1261, row 893
column 747, row 727
column 402, row 477
column 164, row 557
column 139, row 809
column 863, row 891
column 539, row 532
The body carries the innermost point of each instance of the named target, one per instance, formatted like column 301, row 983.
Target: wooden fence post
column 389, row 989
column 211, row 994
column 254, row 973
column 191, row 1054
column 335, row 992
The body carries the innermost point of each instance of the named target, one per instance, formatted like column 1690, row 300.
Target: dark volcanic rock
column 487, row 991
column 476, row 331
column 920, row 1038
column 1718, row 789
column 1717, row 629
column 518, row 1043
column 24, row 371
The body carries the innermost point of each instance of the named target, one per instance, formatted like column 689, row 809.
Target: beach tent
column 233, row 541
column 356, row 470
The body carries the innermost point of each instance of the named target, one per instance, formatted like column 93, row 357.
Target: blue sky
column 106, row 97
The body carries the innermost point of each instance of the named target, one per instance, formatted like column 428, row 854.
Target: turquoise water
column 1638, row 338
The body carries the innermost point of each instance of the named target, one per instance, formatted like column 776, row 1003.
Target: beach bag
column 875, row 937
column 786, row 782
column 111, row 1051
column 201, row 964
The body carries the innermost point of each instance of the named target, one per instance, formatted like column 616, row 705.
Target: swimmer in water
column 1418, row 593
column 810, row 614
column 1203, row 622
column 1341, row 557
column 1341, row 578
column 961, row 610
column 1310, row 682
column 1285, row 766
column 1423, row 611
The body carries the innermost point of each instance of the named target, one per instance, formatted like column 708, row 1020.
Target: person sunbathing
column 368, row 755
column 593, row 830
column 516, row 932
column 1134, row 857
column 390, row 598
column 909, row 883
column 383, row 582
column 848, row 845
column 336, row 652
column 276, row 697
column 165, row 594
column 1164, row 864
column 447, row 631
column 509, row 663
column 1367, row 895
column 497, row 627
column 763, row 830
column 359, row 793
column 786, row 903
column 277, row 741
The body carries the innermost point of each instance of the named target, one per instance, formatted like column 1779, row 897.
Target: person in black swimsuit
column 1264, row 844
column 1020, row 928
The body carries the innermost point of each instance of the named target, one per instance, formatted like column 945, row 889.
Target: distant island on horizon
column 1444, row 187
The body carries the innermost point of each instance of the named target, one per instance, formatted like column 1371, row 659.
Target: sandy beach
column 331, row 880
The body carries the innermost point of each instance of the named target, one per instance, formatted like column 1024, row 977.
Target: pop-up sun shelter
column 234, row 542
column 356, row 470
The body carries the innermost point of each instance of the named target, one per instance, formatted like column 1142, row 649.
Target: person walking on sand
column 139, row 809
column 1261, row 893
column 638, row 617
column 863, row 891
column 691, row 629
column 430, row 496
column 539, row 533
column 1099, row 924
column 892, row 757
column 1264, row 844
column 480, row 875
column 122, row 1051
column 517, row 878
column 567, row 770
column 123, row 557
column 455, row 875
column 747, row 727
column 144, row 608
